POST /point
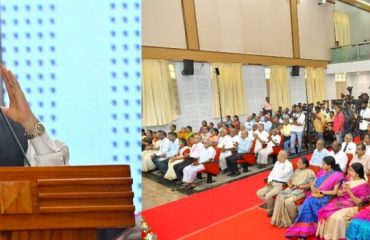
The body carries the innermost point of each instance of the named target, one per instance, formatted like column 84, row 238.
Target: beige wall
column 316, row 29
column 163, row 24
column 245, row 26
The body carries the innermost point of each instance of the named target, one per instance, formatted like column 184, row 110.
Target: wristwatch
column 37, row 131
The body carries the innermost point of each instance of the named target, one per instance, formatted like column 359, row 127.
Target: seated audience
column 278, row 177
column 285, row 210
column 205, row 134
column 286, row 132
column 261, row 137
column 146, row 156
column 242, row 128
column 334, row 217
column 324, row 188
column 203, row 124
column 348, row 146
column 188, row 132
column 236, row 122
column 193, row 155
column 243, row 146
column 184, row 151
column 160, row 159
column 249, row 123
column 172, row 128
column 339, row 156
column 214, row 137
column 361, row 157
column 251, row 132
column 319, row 153
column 267, row 123
column 273, row 141
column 275, row 122
column 225, row 143
column 228, row 121
column 211, row 125
column 359, row 227
column 367, row 143
column 206, row 155
column 146, row 139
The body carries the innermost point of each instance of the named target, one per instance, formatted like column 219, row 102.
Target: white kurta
column 226, row 142
column 190, row 172
column 43, row 151
column 265, row 152
column 263, row 136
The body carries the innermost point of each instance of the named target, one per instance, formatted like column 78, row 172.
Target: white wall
column 360, row 82
column 298, row 93
column 359, row 21
column 330, row 86
column 255, row 87
column 316, row 29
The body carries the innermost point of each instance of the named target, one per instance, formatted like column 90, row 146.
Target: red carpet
column 179, row 218
column 250, row 224
column 226, row 212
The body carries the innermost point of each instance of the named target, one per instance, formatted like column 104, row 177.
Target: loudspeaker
column 295, row 71
column 322, row 2
column 188, row 67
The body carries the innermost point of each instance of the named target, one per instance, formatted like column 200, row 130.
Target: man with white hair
column 278, row 177
column 249, row 123
column 273, row 140
column 348, row 146
column 261, row 137
column 207, row 154
column 225, row 143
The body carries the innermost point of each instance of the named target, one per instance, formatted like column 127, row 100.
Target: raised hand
column 18, row 110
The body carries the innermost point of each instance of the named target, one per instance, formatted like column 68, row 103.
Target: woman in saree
column 188, row 132
column 285, row 210
column 326, row 186
column 359, row 227
column 146, row 160
column 334, row 217
column 184, row 151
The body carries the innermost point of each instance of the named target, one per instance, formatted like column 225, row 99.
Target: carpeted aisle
column 182, row 217
column 227, row 212
column 250, row 224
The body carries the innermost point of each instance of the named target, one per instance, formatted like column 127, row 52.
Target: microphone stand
column 219, row 94
column 26, row 161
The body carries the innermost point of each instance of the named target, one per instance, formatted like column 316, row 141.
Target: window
column 267, row 76
column 171, row 68
column 341, row 77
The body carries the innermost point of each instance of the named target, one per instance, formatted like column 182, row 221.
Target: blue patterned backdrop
column 79, row 63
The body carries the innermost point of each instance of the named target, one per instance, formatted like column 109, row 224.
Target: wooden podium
column 64, row 203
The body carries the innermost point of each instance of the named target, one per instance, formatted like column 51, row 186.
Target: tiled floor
column 155, row 194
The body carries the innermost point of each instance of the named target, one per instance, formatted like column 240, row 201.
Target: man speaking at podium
column 26, row 142
column 34, row 142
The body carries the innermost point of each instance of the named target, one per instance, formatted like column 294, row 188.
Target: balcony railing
column 350, row 53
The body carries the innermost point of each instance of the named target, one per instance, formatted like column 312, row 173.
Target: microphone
column 26, row 161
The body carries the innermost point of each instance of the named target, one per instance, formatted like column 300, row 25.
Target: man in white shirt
column 362, row 158
column 319, row 153
column 279, row 176
column 348, row 146
column 225, row 143
column 251, row 132
column 261, row 137
column 164, row 147
column 367, row 143
column 161, row 162
column 249, row 123
column 340, row 157
column 297, row 127
column 273, row 140
column 39, row 148
column 364, row 119
column 194, row 154
column 207, row 154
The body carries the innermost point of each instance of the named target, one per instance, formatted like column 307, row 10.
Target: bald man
column 319, row 153
column 340, row 157
column 348, row 146
column 278, row 177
